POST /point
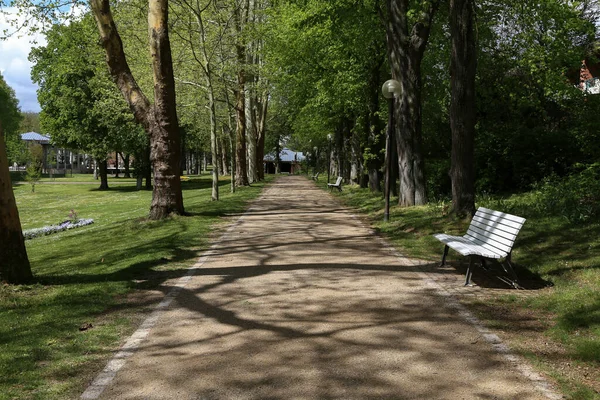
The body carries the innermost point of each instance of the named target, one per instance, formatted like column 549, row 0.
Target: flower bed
column 48, row 230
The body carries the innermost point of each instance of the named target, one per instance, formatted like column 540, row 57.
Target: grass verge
column 93, row 284
column 555, row 324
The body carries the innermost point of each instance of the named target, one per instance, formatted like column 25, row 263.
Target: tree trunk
column 159, row 120
column 103, row 175
column 116, row 164
column 126, row 165
column 252, row 136
column 14, row 263
column 405, row 53
column 148, row 168
column 463, row 67
column 240, row 17
column 241, row 174
column 261, row 125
column 223, row 154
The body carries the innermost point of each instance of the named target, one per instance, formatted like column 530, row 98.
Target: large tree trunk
column 103, row 164
column 261, row 128
column 14, row 264
column 405, row 53
column 252, row 136
column 223, row 154
column 240, row 17
column 463, row 68
column 159, row 120
column 213, row 141
column 125, row 158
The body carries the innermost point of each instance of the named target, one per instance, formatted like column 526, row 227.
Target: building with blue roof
column 289, row 161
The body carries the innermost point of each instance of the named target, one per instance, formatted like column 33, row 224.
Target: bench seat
column 467, row 247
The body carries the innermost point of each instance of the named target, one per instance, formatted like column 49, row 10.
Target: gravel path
column 301, row 301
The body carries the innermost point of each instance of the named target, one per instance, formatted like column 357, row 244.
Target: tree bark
column 127, row 173
column 405, row 53
column 103, row 164
column 14, row 263
column 463, row 66
column 261, row 129
column 240, row 17
column 251, row 135
column 159, row 120
column 116, row 164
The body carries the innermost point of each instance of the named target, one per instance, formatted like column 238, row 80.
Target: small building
column 62, row 159
column 289, row 162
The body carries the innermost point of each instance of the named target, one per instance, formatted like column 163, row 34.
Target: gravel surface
column 301, row 301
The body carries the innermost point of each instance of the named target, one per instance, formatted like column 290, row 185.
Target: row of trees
column 318, row 66
column 488, row 102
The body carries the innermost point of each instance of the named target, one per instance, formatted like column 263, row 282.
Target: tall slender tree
column 463, row 66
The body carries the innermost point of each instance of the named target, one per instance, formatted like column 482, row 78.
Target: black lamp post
column 390, row 89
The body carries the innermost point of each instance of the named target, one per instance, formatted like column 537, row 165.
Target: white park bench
column 315, row 177
column 337, row 184
column 491, row 235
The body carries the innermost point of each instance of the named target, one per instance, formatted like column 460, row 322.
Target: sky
column 15, row 67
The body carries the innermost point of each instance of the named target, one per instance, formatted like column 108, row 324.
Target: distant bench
column 491, row 235
column 337, row 184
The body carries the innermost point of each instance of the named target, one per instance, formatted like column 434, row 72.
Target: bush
column 575, row 197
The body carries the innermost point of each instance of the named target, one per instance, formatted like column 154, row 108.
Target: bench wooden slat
column 494, row 247
column 467, row 247
column 496, row 241
column 499, row 214
column 503, row 224
column 493, row 233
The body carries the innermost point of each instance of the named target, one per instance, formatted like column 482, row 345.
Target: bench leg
column 469, row 271
column 508, row 268
column 446, row 248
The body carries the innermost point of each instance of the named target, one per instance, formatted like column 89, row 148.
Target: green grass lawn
column 89, row 274
column 565, row 255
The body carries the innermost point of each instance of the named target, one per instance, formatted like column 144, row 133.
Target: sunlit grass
column 85, row 275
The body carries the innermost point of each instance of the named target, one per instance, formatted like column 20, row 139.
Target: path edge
column 95, row 389
column 451, row 301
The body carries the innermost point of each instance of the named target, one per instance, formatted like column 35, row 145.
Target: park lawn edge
column 530, row 321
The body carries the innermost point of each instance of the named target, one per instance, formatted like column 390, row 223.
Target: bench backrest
column 339, row 180
column 494, row 230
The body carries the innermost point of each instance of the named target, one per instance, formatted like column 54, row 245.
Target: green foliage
column 575, row 197
column 10, row 115
column 321, row 57
column 10, row 118
column 529, row 114
column 33, row 174
column 30, row 122
column 81, row 106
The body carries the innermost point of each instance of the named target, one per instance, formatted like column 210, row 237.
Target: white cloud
column 15, row 66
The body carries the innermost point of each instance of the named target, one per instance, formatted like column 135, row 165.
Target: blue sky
column 15, row 67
